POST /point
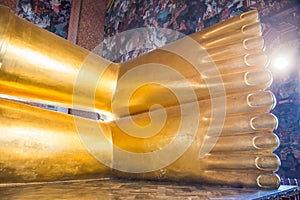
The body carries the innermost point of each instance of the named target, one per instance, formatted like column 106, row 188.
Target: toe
column 229, row 25
column 234, row 83
column 239, row 104
column 249, row 61
column 245, row 31
column 267, row 162
column 239, row 48
column 260, row 141
column 248, row 178
column 243, row 124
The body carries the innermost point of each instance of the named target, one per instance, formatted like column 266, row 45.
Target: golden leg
column 39, row 66
column 41, row 145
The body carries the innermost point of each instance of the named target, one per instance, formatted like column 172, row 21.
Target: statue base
column 124, row 189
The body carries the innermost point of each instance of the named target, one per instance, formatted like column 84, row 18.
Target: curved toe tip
column 269, row 163
column 252, row 14
column 268, row 181
column 261, row 99
column 267, row 141
column 265, row 121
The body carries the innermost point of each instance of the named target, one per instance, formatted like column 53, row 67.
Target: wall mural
column 52, row 15
column 281, row 21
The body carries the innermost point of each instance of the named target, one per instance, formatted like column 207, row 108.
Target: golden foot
column 212, row 62
column 42, row 145
column 239, row 155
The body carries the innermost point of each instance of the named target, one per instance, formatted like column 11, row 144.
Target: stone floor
column 120, row 189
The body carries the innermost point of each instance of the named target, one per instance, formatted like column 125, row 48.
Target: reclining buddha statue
column 195, row 110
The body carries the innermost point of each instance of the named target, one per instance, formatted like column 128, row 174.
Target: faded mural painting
column 52, row 15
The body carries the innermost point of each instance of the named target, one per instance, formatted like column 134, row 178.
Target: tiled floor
column 120, row 189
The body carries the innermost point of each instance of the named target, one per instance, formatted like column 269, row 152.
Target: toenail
column 254, row 43
column 270, row 163
column 260, row 77
column 265, row 121
column 269, row 141
column 249, row 15
column 257, row 59
column 261, row 99
column 268, row 181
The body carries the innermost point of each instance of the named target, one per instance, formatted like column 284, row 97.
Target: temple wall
column 9, row 3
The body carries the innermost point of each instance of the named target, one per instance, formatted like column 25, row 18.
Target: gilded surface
column 195, row 110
